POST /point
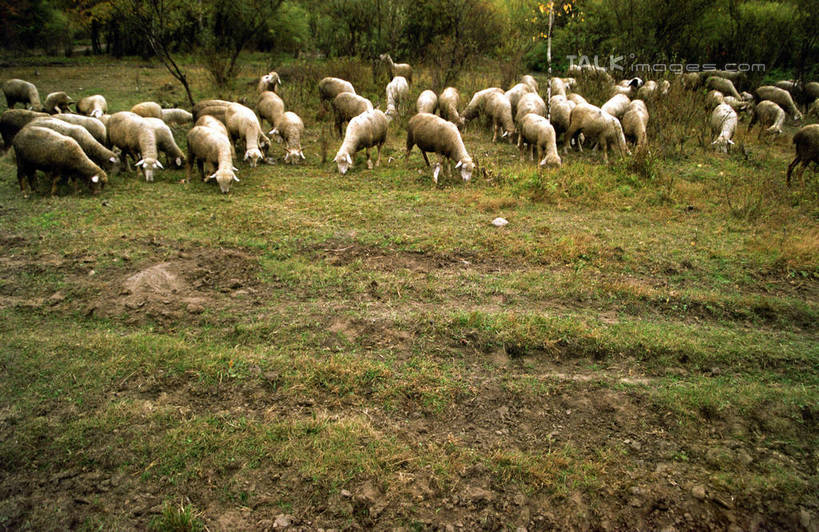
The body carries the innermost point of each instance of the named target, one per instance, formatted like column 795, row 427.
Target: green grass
column 377, row 333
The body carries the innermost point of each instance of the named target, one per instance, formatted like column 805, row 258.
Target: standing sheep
column 95, row 106
column 516, row 93
column 397, row 91
column 203, row 107
column 102, row 156
column 165, row 141
column 94, row 126
column 427, row 102
column 576, row 98
column 499, row 110
column 561, row 113
column 21, row 91
column 176, row 117
column 347, row 106
column 723, row 123
column 448, row 102
column 529, row 80
column 57, row 102
column 148, row 110
column 806, row 141
column 397, row 69
column 616, row 106
column 269, row 82
column 434, row 134
column 363, row 132
column 767, row 114
column 290, row 128
column 536, row 131
column 724, row 85
column 243, row 123
column 477, row 105
column 780, row 97
column 208, row 146
column 38, row 148
column 129, row 132
column 530, row 103
column 597, row 125
column 12, row 121
column 635, row 122
column 270, row 107
column 329, row 88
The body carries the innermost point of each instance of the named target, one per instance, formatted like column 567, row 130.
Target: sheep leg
column 369, row 160
column 378, row 161
column 23, row 179
column 495, row 131
column 568, row 143
column 200, row 163
column 54, row 180
column 426, row 159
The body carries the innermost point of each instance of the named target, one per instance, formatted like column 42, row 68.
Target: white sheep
column 147, row 109
column 628, row 87
column 536, row 131
column 558, row 87
column 129, row 132
column 397, row 91
column 329, row 88
column 165, row 142
column 781, row 97
column 448, row 102
column 561, row 113
column 576, row 98
column 813, row 110
column 529, row 80
column 723, row 124
column 269, row 82
column 347, row 106
column 724, row 85
column 433, row 134
column 102, row 156
column 242, row 123
column 211, row 147
column 806, row 142
column 21, row 91
column 767, row 114
column 270, row 107
column 516, row 93
column 57, row 102
column 38, row 148
column 635, row 122
column 499, row 109
column 427, row 102
column 290, row 128
column 363, row 132
column 713, row 99
column 397, row 69
column 95, row 126
column 616, row 105
column 530, row 103
column 595, row 124
column 202, row 106
column 477, row 104
column 176, row 117
column 95, row 105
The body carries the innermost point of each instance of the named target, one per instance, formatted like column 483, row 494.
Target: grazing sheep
column 529, row 80
column 95, row 126
column 329, row 88
column 397, row 69
column 781, row 97
column 432, row 133
column 691, row 80
column 102, row 156
column 530, row 103
column 21, row 91
column 628, row 87
column 652, row 89
column 148, row 110
column 202, row 106
column 12, row 121
column 347, row 106
column 561, row 113
column 427, row 102
column 397, row 91
column 597, row 125
column 591, row 72
column 209, row 146
column 516, row 93
column 558, row 87
column 270, row 107
column 738, row 79
column 290, row 128
column 536, row 131
column 768, row 114
column 129, row 132
column 499, row 109
column 363, row 132
column 477, row 104
column 713, row 99
column 746, row 96
column 576, row 98
column 243, row 123
column 214, row 123
column 448, row 102
column 812, row 90
column 95, row 106
column 635, row 122
column 724, row 124
column 57, row 102
column 216, row 111
column 796, row 90
column 269, row 82
column 724, row 85
column 806, row 141
column 38, row 148
column 176, row 117
column 738, row 105
column 165, row 142
column 616, row 106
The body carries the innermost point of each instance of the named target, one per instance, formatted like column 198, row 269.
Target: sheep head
column 224, row 178
column 552, row 161
column 253, row 155
column 722, row 144
column 293, row 155
column 344, row 162
column 467, row 167
column 149, row 166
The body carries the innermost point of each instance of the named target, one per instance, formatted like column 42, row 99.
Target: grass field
column 637, row 349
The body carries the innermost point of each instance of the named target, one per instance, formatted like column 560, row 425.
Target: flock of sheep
column 90, row 144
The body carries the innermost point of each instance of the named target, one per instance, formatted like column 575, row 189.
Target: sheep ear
column 210, row 177
column 286, row 156
column 179, row 161
column 247, row 154
column 159, row 164
column 730, row 141
column 301, row 154
column 436, row 172
column 112, row 160
column 349, row 159
column 140, row 162
column 236, row 179
column 714, row 142
column 505, row 133
column 460, row 163
column 95, row 179
column 235, row 169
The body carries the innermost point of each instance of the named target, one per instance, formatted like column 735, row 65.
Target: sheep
column 477, row 104
column 269, row 82
column 516, row 93
column 628, row 87
column 148, row 109
column 21, row 91
column 616, row 106
column 270, row 107
column 216, row 111
column 746, row 96
column 529, row 80
column 329, row 88
column 95, row 106
column 561, row 113
column 781, row 97
column 243, row 123
column 448, row 102
column 596, row 124
column 806, row 141
column 738, row 79
column 812, row 90
column 635, row 122
column 813, row 111
column 397, row 91
column 591, row 72
column 165, row 141
column 38, row 148
column 530, row 103
column 500, row 110
column 290, row 128
column 129, row 132
column 95, row 126
column 12, row 121
column 347, row 106
column 723, row 123
column 558, row 87
column 536, row 131
column 724, row 85
column 102, row 156
column 363, row 132
column 738, row 105
column 713, row 99
column 397, row 69
column 797, row 91
column 427, row 102
column 209, row 146
column 576, row 98
column 768, row 114
column 650, row 90
column 691, row 80
column 213, row 123
column 57, row 102
column 176, row 117
column 432, row 133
